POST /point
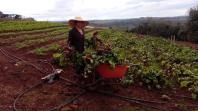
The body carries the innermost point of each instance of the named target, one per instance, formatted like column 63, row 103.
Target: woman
column 76, row 34
column 76, row 40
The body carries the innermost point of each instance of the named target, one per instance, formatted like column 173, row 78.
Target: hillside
column 131, row 23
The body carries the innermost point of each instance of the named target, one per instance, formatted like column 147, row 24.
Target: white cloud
column 96, row 9
column 26, row 7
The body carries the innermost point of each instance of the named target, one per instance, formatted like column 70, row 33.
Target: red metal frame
column 106, row 71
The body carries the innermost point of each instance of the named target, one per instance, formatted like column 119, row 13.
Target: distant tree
column 29, row 19
column 161, row 28
column 17, row 16
column 192, row 24
column 187, row 31
column 1, row 13
column 193, row 19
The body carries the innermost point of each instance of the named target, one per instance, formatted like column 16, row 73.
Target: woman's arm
column 69, row 39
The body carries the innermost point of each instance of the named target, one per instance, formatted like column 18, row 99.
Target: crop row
column 56, row 46
column 12, row 26
column 21, row 33
column 33, row 42
column 155, row 62
column 26, row 37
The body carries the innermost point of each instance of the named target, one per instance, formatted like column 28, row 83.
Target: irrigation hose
column 5, row 54
column 52, row 67
column 132, row 100
column 15, row 58
column 82, row 87
column 24, row 92
column 68, row 101
column 128, row 99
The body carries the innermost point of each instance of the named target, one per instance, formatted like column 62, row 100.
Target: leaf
column 194, row 96
column 184, row 83
column 57, row 55
column 112, row 64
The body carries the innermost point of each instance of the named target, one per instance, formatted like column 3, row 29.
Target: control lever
column 53, row 76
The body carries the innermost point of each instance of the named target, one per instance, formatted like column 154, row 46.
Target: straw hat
column 71, row 22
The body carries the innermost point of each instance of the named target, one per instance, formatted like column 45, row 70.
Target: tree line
column 4, row 17
column 180, row 31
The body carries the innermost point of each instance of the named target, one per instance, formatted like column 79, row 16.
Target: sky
column 59, row 10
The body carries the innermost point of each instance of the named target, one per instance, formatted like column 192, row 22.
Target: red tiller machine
column 106, row 72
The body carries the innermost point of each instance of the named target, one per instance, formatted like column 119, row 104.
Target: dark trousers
column 79, row 63
column 80, row 68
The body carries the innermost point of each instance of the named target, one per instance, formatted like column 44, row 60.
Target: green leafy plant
column 44, row 50
column 92, row 59
column 60, row 59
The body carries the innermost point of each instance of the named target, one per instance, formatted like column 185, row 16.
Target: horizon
column 121, row 18
column 61, row 10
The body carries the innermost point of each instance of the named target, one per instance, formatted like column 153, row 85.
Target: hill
column 133, row 22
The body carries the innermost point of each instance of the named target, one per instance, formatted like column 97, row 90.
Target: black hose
column 46, row 62
column 68, row 101
column 15, row 58
column 131, row 100
column 5, row 54
column 128, row 99
column 24, row 92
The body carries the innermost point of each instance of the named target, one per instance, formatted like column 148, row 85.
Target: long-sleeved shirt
column 76, row 40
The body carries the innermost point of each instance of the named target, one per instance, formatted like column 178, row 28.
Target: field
column 159, row 70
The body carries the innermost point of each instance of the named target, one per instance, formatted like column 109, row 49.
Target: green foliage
column 30, row 42
column 43, row 50
column 9, row 26
column 128, row 80
column 193, row 19
column 92, row 58
column 60, row 59
column 194, row 96
column 155, row 62
column 161, row 28
column 193, row 24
